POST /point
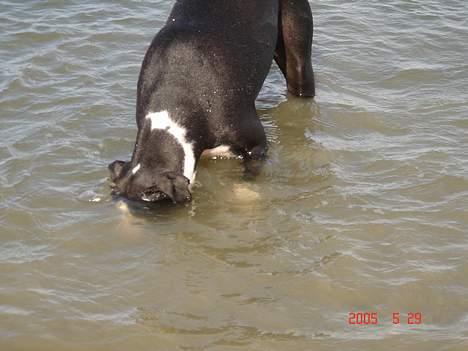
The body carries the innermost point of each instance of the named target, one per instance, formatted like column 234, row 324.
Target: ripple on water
column 361, row 204
column 19, row 252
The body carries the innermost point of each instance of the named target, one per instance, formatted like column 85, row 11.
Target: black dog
column 198, row 84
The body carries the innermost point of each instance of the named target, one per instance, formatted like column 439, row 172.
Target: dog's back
column 221, row 54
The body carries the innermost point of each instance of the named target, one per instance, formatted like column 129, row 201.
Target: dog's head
column 146, row 184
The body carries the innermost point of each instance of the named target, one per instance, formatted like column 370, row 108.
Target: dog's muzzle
column 153, row 195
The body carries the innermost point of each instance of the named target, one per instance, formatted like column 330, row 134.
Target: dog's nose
column 188, row 198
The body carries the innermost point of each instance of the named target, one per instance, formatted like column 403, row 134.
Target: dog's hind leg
column 294, row 46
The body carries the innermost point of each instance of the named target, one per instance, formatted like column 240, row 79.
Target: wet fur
column 199, row 81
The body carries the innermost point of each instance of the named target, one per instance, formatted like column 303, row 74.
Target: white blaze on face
column 161, row 120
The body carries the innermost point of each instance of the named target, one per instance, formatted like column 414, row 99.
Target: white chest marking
column 161, row 120
column 136, row 169
column 222, row 151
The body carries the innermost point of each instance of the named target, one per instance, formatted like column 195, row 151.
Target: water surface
column 361, row 206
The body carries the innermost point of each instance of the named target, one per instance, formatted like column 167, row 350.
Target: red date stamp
column 372, row 318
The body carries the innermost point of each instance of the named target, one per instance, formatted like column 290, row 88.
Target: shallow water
column 361, row 206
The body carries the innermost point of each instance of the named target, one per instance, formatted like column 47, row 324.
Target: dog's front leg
column 254, row 161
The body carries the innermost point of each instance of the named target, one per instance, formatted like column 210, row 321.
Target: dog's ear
column 115, row 169
column 176, row 187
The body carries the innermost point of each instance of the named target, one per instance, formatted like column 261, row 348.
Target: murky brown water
column 362, row 205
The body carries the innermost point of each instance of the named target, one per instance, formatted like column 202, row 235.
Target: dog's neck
column 162, row 145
